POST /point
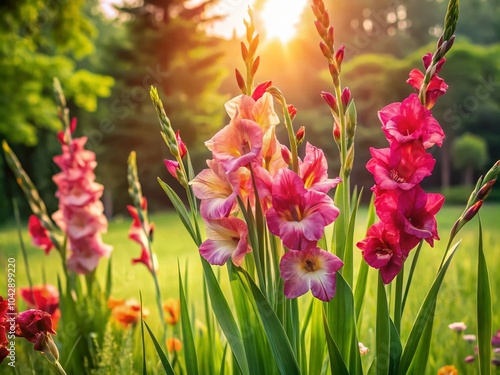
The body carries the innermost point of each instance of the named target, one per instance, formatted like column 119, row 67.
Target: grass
column 173, row 246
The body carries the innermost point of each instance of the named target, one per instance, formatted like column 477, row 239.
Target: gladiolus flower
column 411, row 212
column 45, row 298
column 182, row 145
column 227, row 238
column 436, row 88
column 409, row 120
column 401, row 166
column 259, row 110
column 173, row 309
column 237, row 144
column 330, row 100
column 39, row 234
column 31, row 323
column 260, row 90
column 172, row 167
column 314, row 171
column 217, row 190
column 381, row 250
column 313, row 269
column 142, row 235
column 173, row 344
column 298, row 216
column 128, row 313
column 4, row 352
column 447, row 370
column 292, row 111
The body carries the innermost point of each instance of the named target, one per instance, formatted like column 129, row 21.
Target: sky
column 280, row 17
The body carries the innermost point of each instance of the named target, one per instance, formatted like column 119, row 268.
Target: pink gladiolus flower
column 260, row 90
column 298, row 216
column 39, row 234
column 381, row 250
column 182, row 145
column 259, row 110
column 217, row 190
column 401, row 166
column 313, row 269
column 237, row 144
column 436, row 88
column 314, row 171
column 136, row 233
column 408, row 121
column 80, row 215
column 412, row 212
column 227, row 238
column 45, row 298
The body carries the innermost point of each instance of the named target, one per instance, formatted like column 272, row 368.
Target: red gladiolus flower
column 31, row 323
column 4, row 352
column 381, row 250
column 39, row 235
column 411, row 213
column 313, row 269
column 182, row 145
column 436, row 88
column 45, row 298
column 401, row 166
column 298, row 216
column 137, row 234
column 408, row 121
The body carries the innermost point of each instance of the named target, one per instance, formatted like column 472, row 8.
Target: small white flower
column 469, row 338
column 362, row 349
column 457, row 326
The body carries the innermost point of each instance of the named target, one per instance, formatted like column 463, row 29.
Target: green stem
column 398, row 300
column 291, row 138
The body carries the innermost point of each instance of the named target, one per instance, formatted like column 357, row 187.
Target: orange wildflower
column 173, row 344
column 447, row 370
column 172, row 307
column 128, row 312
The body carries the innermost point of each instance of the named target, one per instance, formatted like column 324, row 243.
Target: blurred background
column 108, row 53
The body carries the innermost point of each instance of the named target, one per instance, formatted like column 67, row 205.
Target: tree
column 470, row 154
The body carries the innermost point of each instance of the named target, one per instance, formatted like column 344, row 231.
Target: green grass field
column 173, row 246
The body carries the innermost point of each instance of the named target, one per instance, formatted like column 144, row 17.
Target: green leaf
column 419, row 363
column 337, row 364
column 317, row 340
column 484, row 325
column 396, row 349
column 163, row 358
column 425, row 314
column 109, row 279
column 225, row 318
column 348, row 269
column 180, row 208
column 383, row 336
column 143, row 342
column 276, row 335
column 187, row 333
column 410, row 276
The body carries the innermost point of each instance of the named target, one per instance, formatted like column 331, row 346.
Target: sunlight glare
column 281, row 17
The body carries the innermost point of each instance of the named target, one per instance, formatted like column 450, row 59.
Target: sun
column 281, row 17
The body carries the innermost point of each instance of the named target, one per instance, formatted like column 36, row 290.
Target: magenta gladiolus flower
column 172, row 167
column 227, row 238
column 314, row 171
column 237, row 144
column 298, row 216
column 436, row 86
column 411, row 212
column 313, row 269
column 218, row 190
column 410, row 120
column 80, row 215
column 381, row 250
column 400, row 166
column 495, row 340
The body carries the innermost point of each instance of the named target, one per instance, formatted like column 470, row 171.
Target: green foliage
column 40, row 40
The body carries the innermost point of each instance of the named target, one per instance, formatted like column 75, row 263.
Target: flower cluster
column 251, row 167
column 406, row 212
column 80, row 215
column 45, row 298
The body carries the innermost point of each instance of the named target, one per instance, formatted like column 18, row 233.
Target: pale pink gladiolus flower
column 313, row 269
column 314, row 171
column 227, row 238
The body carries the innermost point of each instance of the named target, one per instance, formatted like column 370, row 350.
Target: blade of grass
column 337, row 364
column 163, row 358
column 484, row 325
column 143, row 342
column 382, row 330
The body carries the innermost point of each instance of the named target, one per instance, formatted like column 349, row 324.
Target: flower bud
column 346, row 97
column 172, row 167
column 292, row 111
column 336, row 133
column 485, row 190
column 286, row 154
column 333, row 70
column 182, row 145
column 72, row 125
column 330, row 100
column 261, row 90
column 47, row 346
column 472, row 211
column 320, row 28
column 339, row 56
column 244, row 51
column 325, row 50
column 330, row 38
column 241, row 81
column 325, row 20
column 299, row 136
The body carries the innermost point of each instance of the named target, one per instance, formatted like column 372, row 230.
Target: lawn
column 173, row 246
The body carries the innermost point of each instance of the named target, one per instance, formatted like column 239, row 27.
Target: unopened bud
column 333, row 70
column 317, row 12
column 182, row 145
column 325, row 20
column 172, row 167
column 241, row 81
column 286, row 154
column 336, row 133
column 471, row 212
column 261, row 89
column 330, row 37
column 320, row 28
column 72, row 125
column 450, row 43
column 299, row 136
column 339, row 56
column 330, row 100
column 292, row 111
column 346, row 97
column 485, row 190
column 427, row 60
column 325, row 50
column 244, row 51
